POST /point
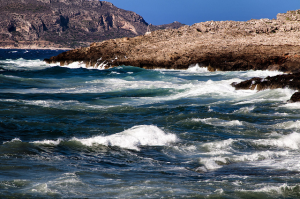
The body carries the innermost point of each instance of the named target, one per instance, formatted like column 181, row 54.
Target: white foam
column 274, row 95
column 82, row 64
column 213, row 163
column 144, row 135
column 221, row 157
column 291, row 141
column 261, row 73
column 295, row 105
column 219, row 122
column 259, row 156
column 75, row 65
column 220, row 153
column 13, row 140
column 48, row 142
column 197, row 69
column 280, row 189
column 288, row 125
column 219, row 145
column 24, row 64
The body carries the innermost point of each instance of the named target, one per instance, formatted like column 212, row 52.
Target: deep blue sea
column 127, row 132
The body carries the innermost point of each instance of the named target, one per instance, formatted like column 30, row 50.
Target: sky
column 188, row 12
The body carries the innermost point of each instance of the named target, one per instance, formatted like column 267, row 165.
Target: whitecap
column 279, row 189
column 75, row 65
column 144, row 135
column 13, row 140
column 219, row 122
column 292, row 106
column 133, row 138
column 48, row 142
column 261, row 73
column 24, row 64
column 288, row 125
column 197, row 69
column 291, row 141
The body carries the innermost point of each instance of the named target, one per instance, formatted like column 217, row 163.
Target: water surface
column 126, row 132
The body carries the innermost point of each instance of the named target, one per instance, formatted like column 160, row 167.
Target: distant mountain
column 67, row 23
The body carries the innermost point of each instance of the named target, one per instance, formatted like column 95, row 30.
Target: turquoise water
column 126, row 132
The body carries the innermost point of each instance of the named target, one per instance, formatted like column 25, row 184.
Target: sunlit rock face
column 65, row 23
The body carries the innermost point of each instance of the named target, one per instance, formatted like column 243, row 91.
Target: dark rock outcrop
column 291, row 81
column 295, row 97
column 65, row 23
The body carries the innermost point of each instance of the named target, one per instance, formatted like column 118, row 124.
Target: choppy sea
column 127, row 132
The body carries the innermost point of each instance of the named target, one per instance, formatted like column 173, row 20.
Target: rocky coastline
column 219, row 45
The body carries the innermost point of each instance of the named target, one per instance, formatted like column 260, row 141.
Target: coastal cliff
column 219, row 45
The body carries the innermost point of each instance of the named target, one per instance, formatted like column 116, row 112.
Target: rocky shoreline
column 224, row 45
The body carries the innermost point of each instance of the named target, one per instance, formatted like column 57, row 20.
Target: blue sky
column 189, row 12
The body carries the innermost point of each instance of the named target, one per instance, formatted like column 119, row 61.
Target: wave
column 197, row 69
column 144, row 135
column 292, row 106
column 24, row 64
column 261, row 73
column 75, row 65
column 290, row 141
column 281, row 153
column 218, row 122
column 283, row 190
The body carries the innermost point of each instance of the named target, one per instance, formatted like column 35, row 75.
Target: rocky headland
column 219, row 45
column 66, row 23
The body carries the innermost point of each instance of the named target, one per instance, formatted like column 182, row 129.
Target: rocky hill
column 66, row 23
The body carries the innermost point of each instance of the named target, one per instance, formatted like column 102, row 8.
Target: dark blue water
column 126, row 132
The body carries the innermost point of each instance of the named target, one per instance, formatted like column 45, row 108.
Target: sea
column 128, row 132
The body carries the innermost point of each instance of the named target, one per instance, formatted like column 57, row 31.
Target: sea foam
column 197, row 69
column 144, row 135
column 133, row 138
